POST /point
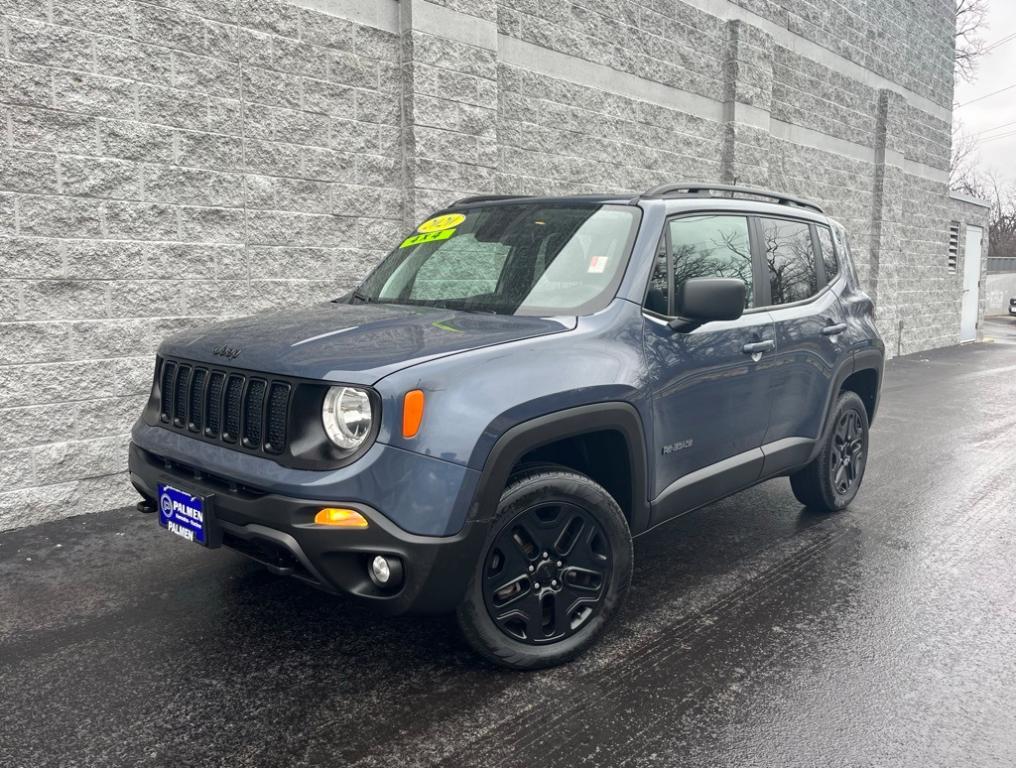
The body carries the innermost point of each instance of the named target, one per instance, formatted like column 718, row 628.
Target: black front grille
column 168, row 387
column 180, row 398
column 224, row 405
column 275, row 436
column 194, row 416
column 254, row 413
column 234, row 391
column 213, row 404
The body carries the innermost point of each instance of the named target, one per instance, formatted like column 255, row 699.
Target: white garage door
column 971, row 276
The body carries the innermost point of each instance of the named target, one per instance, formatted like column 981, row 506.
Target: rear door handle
column 757, row 347
column 832, row 330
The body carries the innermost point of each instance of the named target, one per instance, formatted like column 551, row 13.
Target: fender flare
column 867, row 360
column 871, row 360
column 618, row 416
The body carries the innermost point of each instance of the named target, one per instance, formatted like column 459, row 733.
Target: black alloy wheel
column 546, row 573
column 846, row 459
column 554, row 569
column 831, row 481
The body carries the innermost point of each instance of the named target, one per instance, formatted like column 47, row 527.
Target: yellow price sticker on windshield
column 426, row 237
column 438, row 223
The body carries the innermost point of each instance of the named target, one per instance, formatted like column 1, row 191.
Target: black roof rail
column 703, row 189
column 486, row 199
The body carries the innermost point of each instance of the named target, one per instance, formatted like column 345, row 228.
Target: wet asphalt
column 756, row 634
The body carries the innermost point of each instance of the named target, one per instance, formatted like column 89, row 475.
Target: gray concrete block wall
column 841, row 185
column 449, row 107
column 928, row 139
column 819, row 97
column 164, row 164
column 924, row 294
column 556, row 136
column 906, row 41
column 169, row 162
column 670, row 43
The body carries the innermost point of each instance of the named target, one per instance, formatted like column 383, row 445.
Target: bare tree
column 963, row 163
column 1002, row 227
column 1001, row 195
column 971, row 19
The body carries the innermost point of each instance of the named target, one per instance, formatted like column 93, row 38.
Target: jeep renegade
column 516, row 391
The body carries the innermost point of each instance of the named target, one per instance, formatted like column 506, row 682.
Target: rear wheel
column 555, row 568
column 831, row 481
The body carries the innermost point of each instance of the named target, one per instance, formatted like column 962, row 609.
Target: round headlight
column 346, row 416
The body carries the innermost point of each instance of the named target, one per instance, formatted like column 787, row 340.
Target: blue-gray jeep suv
column 518, row 389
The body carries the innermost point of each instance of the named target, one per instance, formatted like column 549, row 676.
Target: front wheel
column 555, row 567
column 830, row 482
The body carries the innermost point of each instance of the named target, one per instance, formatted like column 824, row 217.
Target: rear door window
column 790, row 260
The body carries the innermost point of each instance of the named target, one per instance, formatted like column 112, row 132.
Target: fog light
column 385, row 572
column 339, row 517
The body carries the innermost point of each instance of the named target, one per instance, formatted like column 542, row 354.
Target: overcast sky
column 996, row 115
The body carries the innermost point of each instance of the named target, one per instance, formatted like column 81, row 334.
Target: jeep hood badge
column 230, row 353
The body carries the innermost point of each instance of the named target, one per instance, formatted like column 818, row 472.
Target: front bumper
column 279, row 531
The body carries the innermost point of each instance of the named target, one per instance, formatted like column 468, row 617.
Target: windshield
column 511, row 259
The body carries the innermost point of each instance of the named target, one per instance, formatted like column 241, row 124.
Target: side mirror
column 705, row 299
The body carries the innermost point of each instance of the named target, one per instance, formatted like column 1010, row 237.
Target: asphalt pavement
column 756, row 634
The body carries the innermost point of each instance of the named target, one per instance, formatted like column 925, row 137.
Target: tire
column 831, row 481
column 559, row 527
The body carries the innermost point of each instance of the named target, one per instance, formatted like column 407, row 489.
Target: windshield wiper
column 360, row 296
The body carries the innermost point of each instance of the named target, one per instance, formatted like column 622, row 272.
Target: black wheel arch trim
column 543, row 430
column 871, row 360
column 863, row 360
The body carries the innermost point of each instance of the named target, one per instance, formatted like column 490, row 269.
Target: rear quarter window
column 829, row 261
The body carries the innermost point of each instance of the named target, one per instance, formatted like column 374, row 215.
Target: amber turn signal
column 412, row 412
column 339, row 517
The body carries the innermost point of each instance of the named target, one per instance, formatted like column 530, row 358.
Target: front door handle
column 832, row 330
column 758, row 347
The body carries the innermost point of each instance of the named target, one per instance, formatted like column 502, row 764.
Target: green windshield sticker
column 444, row 327
column 427, row 237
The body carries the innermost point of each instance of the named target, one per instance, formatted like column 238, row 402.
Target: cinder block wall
column 169, row 162
column 164, row 164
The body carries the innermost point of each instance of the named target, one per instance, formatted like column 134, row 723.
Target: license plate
column 183, row 514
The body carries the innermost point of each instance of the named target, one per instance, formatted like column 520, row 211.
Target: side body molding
column 516, row 442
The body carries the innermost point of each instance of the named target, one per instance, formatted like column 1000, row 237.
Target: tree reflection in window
column 790, row 256
column 712, row 246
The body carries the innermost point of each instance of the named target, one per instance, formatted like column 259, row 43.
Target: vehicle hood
column 350, row 343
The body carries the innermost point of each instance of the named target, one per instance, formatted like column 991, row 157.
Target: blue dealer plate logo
column 182, row 514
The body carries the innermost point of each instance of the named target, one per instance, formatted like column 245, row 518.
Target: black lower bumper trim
column 279, row 532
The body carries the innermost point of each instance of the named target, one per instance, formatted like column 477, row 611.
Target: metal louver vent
column 954, row 246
